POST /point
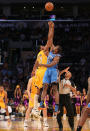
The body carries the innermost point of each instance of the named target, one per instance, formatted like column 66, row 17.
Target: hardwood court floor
column 36, row 125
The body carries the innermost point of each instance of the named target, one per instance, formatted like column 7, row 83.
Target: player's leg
column 83, row 118
column 70, row 113
column 54, row 77
column 27, row 116
column 35, row 111
column 45, row 118
column 7, row 113
column 60, row 114
column 56, row 94
column 44, row 93
column 30, row 106
column 46, row 80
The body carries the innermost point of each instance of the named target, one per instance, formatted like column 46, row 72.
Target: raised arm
column 54, row 62
column 63, row 71
column 50, row 35
column 34, row 68
column 15, row 93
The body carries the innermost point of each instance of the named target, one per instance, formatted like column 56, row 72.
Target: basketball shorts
column 2, row 105
column 39, row 77
column 50, row 76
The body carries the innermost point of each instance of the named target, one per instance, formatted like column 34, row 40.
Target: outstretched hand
column 51, row 24
column 66, row 70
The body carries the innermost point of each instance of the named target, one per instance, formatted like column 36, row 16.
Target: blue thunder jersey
column 51, row 57
column 51, row 74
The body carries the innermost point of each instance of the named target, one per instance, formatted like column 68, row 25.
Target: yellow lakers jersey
column 42, row 59
column 2, row 95
column 33, row 88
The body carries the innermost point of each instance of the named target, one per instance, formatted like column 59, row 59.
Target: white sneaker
column 45, row 124
column 1, row 117
column 25, row 124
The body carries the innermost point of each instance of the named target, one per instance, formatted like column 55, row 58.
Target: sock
column 79, row 128
column 25, row 120
column 45, row 119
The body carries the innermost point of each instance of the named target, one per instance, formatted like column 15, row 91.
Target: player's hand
column 66, row 70
column 39, row 65
column 51, row 24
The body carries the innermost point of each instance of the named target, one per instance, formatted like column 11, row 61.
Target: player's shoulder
column 58, row 55
column 55, row 55
column 40, row 53
column 30, row 79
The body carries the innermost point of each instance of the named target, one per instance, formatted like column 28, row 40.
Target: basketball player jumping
column 51, row 75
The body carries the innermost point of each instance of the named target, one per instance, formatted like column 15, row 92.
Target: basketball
column 49, row 6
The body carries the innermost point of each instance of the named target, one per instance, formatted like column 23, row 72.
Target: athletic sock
column 45, row 119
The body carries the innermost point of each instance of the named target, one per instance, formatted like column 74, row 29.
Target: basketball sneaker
column 45, row 124
column 25, row 124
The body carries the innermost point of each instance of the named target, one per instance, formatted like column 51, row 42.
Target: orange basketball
column 49, row 6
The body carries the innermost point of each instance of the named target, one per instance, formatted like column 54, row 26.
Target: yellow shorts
column 31, row 101
column 2, row 105
column 39, row 77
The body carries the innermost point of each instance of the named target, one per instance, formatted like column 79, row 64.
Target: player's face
column 46, row 52
column 78, row 93
column 41, row 47
column 55, row 50
column 68, row 75
column 1, row 88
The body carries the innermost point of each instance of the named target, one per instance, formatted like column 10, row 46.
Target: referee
column 64, row 99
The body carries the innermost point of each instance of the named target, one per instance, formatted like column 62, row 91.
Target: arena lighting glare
column 24, row 7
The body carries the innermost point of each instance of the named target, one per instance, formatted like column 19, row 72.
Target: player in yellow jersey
column 42, row 57
column 32, row 92
column 3, row 100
